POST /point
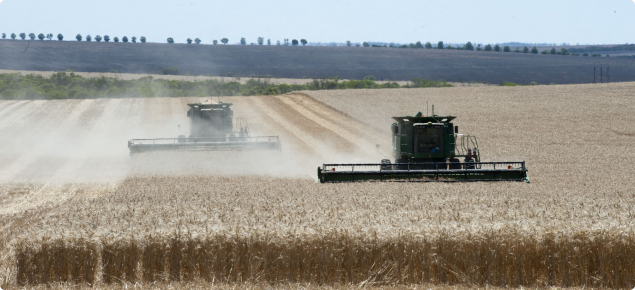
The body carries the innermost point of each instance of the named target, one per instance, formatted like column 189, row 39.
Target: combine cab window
column 429, row 139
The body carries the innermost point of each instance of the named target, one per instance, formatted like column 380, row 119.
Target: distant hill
column 307, row 62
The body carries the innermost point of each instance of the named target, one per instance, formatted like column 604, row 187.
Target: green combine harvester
column 427, row 149
column 212, row 127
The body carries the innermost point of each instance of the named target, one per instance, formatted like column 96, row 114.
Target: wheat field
column 69, row 189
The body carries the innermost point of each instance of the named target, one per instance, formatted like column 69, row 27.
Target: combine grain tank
column 427, row 149
column 212, row 127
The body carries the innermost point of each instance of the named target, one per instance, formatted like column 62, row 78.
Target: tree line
column 479, row 47
column 588, row 49
column 63, row 85
column 243, row 41
column 304, row 42
column 78, row 37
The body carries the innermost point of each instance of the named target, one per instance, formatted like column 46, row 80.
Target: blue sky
column 453, row 21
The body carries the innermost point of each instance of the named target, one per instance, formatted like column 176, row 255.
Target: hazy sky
column 402, row 21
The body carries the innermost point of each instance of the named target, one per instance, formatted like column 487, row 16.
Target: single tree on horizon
column 49, row 36
column 534, row 50
column 23, row 35
column 134, row 39
column 116, row 39
column 268, row 41
column 4, row 35
column 304, row 42
column 98, row 38
column 488, row 47
column 142, row 39
column 440, row 45
column 294, row 42
column 506, row 49
column 243, row 41
column 89, row 38
column 497, row 48
column 32, row 36
column 60, row 37
column 525, row 50
column 13, row 36
column 224, row 41
column 428, row 45
column 78, row 37
column 189, row 41
column 106, row 38
column 125, row 39
column 469, row 46
column 170, row 40
column 261, row 40
column 348, row 43
column 197, row 40
column 41, row 36
column 215, row 42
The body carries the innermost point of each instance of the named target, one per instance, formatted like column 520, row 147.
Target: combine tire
column 453, row 165
column 385, row 164
column 469, row 164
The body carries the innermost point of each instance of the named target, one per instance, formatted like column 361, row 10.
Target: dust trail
column 60, row 146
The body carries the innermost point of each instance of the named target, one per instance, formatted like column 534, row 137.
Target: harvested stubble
column 499, row 259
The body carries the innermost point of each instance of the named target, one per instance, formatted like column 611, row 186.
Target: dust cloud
column 85, row 141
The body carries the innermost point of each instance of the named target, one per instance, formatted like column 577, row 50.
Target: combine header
column 212, row 127
column 427, row 149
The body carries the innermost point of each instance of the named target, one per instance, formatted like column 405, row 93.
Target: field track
column 65, row 171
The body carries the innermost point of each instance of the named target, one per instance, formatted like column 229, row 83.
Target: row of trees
column 79, row 37
column 295, row 42
column 243, row 41
column 488, row 47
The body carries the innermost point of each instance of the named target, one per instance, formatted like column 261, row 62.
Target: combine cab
column 212, row 127
column 427, row 149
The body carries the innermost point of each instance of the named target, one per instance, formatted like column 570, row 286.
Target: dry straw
column 497, row 259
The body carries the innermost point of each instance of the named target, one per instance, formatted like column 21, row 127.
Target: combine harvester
column 427, row 149
column 212, row 127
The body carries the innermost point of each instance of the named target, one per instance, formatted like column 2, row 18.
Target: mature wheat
column 245, row 219
column 497, row 258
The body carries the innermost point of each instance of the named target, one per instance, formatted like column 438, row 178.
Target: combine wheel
column 385, row 164
column 455, row 166
column 402, row 164
column 469, row 164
